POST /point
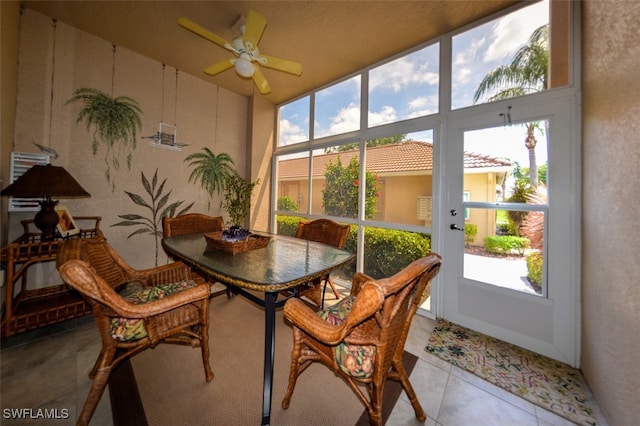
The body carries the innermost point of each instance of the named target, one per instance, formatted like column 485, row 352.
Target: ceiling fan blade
column 281, row 64
column 202, row 32
column 261, row 82
column 218, row 67
column 254, row 27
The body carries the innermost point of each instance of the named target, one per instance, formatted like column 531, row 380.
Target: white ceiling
column 330, row 39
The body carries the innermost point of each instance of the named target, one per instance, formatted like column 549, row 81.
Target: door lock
column 455, row 227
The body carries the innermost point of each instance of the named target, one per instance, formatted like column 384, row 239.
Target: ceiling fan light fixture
column 248, row 60
column 244, row 67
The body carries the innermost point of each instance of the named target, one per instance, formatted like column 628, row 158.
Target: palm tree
column 528, row 72
column 210, row 169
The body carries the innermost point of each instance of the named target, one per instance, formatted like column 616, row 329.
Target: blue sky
column 408, row 86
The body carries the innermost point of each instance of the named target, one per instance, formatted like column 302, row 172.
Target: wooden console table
column 33, row 308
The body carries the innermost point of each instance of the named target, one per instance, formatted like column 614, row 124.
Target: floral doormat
column 550, row 384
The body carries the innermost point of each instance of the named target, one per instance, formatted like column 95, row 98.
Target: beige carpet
column 173, row 389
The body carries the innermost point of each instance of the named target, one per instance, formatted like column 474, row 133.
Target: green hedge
column 287, row 204
column 288, row 225
column 506, row 244
column 470, row 233
column 534, row 268
column 386, row 251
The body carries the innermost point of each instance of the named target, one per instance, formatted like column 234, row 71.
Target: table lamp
column 46, row 182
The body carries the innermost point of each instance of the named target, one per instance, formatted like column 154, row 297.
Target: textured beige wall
column 9, row 19
column 611, row 201
column 259, row 152
column 206, row 116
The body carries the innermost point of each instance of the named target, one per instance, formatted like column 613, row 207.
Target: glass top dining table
column 284, row 264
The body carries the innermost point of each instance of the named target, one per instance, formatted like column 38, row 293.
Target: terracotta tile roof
column 396, row 158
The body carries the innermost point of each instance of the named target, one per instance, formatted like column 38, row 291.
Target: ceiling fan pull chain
column 113, row 70
column 175, row 102
column 54, row 24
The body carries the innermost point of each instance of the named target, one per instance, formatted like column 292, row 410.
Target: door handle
column 455, row 227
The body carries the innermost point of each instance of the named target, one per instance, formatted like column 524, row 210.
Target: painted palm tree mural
column 527, row 72
column 157, row 207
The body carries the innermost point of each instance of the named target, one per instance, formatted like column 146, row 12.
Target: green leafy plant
column 470, row 233
column 115, row 123
column 340, row 194
column 506, row 244
column 157, row 207
column 237, row 198
column 287, row 204
column 210, row 170
column 534, row 269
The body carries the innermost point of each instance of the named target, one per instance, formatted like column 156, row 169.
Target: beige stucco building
column 404, row 172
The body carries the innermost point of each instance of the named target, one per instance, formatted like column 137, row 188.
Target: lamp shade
column 45, row 181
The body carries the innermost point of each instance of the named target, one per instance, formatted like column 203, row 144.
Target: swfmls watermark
column 36, row 413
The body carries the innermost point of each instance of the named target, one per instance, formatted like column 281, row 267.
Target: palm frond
column 156, row 207
column 210, row 170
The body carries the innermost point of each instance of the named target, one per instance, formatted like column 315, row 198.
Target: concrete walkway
column 508, row 273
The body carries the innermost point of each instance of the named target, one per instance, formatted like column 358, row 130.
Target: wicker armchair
column 168, row 307
column 328, row 232
column 191, row 223
column 362, row 337
column 194, row 223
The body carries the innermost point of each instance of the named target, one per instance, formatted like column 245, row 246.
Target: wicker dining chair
column 328, row 232
column 194, row 223
column 163, row 306
column 362, row 337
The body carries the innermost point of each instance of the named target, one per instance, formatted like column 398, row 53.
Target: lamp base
column 47, row 219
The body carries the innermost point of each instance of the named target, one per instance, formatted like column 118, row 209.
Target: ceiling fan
column 245, row 48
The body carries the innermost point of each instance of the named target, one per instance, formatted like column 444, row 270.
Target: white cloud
column 465, row 61
column 396, row 75
column 346, row 120
column 420, row 106
column 514, row 30
column 386, row 115
column 291, row 133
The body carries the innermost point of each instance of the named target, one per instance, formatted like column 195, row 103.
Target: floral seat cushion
column 128, row 329
column 354, row 360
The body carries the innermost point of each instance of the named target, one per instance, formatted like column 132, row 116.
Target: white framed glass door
column 511, row 244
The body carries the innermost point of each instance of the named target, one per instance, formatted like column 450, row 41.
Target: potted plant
column 237, row 198
column 116, row 122
column 216, row 174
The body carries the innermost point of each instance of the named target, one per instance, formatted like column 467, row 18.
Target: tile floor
column 47, row 369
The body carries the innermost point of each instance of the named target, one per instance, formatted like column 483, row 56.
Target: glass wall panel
column 501, row 258
column 506, row 166
column 337, row 108
column 387, row 251
column 405, row 88
column 399, row 179
column 293, row 183
column 293, row 125
column 506, row 57
column 335, row 184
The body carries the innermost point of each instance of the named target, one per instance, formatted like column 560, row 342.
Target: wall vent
column 20, row 163
column 425, row 207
